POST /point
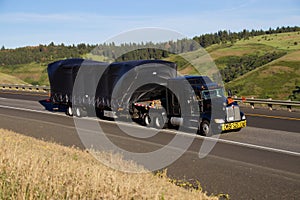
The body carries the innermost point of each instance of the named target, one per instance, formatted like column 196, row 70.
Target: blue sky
column 30, row 23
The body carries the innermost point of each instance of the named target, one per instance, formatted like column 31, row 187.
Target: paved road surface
column 268, row 168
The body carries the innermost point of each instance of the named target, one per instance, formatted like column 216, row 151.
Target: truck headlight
column 243, row 117
column 219, row 121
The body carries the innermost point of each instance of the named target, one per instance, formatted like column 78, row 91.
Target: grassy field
column 32, row 73
column 34, row 169
column 282, row 41
column 8, row 79
column 276, row 79
column 198, row 62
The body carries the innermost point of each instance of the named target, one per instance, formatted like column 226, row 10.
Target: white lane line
column 30, row 110
column 258, row 147
column 214, row 138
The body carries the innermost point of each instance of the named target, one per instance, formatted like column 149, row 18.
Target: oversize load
column 234, row 125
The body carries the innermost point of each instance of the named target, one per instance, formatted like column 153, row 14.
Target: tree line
column 131, row 51
column 228, row 36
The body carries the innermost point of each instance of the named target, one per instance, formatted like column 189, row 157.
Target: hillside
column 8, row 79
column 32, row 73
column 277, row 79
column 266, row 66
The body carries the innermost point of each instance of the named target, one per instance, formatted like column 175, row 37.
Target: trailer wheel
column 69, row 111
column 80, row 112
column 205, row 129
column 77, row 112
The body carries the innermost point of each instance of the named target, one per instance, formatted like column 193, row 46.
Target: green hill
column 32, row 73
column 266, row 66
column 8, row 79
column 279, row 79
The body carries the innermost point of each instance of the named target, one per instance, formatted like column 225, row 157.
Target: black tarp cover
column 118, row 81
column 63, row 73
column 132, row 80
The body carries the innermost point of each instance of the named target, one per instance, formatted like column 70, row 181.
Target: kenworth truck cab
column 217, row 113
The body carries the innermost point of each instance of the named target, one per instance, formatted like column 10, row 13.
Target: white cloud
column 35, row 17
column 68, row 17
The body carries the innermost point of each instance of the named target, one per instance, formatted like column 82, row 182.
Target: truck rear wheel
column 69, row 111
column 158, row 121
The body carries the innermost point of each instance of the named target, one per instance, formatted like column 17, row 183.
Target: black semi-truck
column 147, row 91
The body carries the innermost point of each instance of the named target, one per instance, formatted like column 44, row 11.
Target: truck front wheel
column 205, row 128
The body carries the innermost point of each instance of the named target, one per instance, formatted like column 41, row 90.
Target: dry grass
column 33, row 169
column 231, row 52
column 293, row 56
column 273, row 70
column 8, row 79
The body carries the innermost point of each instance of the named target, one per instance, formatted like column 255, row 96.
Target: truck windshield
column 213, row 93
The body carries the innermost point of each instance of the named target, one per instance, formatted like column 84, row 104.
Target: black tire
column 205, row 128
column 80, row 112
column 69, row 111
column 158, row 121
column 77, row 112
column 146, row 120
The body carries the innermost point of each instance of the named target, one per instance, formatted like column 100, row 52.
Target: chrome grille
column 233, row 113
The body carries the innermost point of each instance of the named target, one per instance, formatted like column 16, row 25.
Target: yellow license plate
column 233, row 125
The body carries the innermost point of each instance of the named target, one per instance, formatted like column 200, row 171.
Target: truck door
column 173, row 106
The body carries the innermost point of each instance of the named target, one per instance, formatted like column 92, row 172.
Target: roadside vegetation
column 279, row 78
column 30, row 73
column 265, row 66
column 34, row 169
column 8, row 79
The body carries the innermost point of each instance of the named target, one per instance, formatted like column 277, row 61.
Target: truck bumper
column 233, row 125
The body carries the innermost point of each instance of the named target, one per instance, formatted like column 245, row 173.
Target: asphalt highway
column 259, row 162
